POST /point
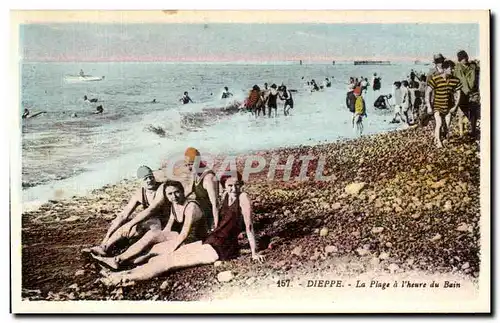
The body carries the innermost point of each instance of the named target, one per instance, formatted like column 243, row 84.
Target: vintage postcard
column 178, row 161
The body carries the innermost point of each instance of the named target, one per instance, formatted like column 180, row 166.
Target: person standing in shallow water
column 286, row 96
column 204, row 186
column 153, row 216
column 272, row 98
column 221, row 244
column 185, row 98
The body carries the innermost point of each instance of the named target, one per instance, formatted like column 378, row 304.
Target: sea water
column 69, row 150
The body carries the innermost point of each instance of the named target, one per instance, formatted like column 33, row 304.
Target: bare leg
column 151, row 237
column 447, row 124
column 158, row 249
column 189, row 255
column 437, row 129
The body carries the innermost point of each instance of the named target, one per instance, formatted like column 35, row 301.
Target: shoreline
column 418, row 210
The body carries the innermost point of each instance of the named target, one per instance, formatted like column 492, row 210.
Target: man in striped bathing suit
column 444, row 89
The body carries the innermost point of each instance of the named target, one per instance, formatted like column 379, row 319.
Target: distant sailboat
column 300, row 62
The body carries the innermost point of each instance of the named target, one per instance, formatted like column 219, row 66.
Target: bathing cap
column 144, row 171
column 191, row 154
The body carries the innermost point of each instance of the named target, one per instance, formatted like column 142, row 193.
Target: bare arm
column 428, row 92
column 190, row 212
column 157, row 203
column 211, row 184
column 246, row 209
column 458, row 95
column 124, row 215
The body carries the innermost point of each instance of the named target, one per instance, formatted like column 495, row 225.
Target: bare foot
column 98, row 250
column 108, row 261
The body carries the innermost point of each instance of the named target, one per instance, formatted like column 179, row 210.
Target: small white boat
column 86, row 78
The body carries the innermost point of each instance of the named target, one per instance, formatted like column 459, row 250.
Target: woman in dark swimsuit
column 271, row 100
column 221, row 244
column 185, row 225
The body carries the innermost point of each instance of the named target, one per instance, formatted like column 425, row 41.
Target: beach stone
column 410, row 262
column 465, row 266
column 375, row 261
column 416, row 215
column 79, row 272
column 250, row 281
column 354, row 188
column 383, row 256
column 336, row 206
column 388, row 244
column 448, row 205
column 398, row 209
column 436, row 237
column 439, row 184
column 331, row 249
column 72, row 218
column 316, row 231
column 297, row 251
column 392, row 268
column 323, row 232
column 218, row 263
column 225, row 276
column 74, row 286
column 362, row 252
column 164, row 285
column 462, row 227
column 377, row 230
column 315, row 256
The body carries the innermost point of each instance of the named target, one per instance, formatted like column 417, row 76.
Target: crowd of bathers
column 180, row 225
column 449, row 89
column 266, row 100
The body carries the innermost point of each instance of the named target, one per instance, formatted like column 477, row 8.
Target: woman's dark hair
column 256, row 88
column 447, row 64
column 397, row 83
column 462, row 55
column 175, row 184
column 405, row 83
column 225, row 177
column 185, row 93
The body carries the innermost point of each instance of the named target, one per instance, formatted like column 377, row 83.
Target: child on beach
column 443, row 97
column 190, row 226
column 359, row 111
column 397, row 97
column 153, row 214
column 221, row 244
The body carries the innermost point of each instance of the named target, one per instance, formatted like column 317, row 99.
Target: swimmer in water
column 186, row 99
column 226, row 94
column 99, row 110
column 82, row 74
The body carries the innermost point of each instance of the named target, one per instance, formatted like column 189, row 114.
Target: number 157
column 284, row 283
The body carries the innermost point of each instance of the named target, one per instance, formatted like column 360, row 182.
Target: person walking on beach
column 151, row 218
column 204, row 186
column 468, row 75
column 397, row 97
column 186, row 224
column 442, row 96
column 185, row 98
column 221, row 244
column 359, row 111
column 437, row 69
column 406, row 101
column 264, row 94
